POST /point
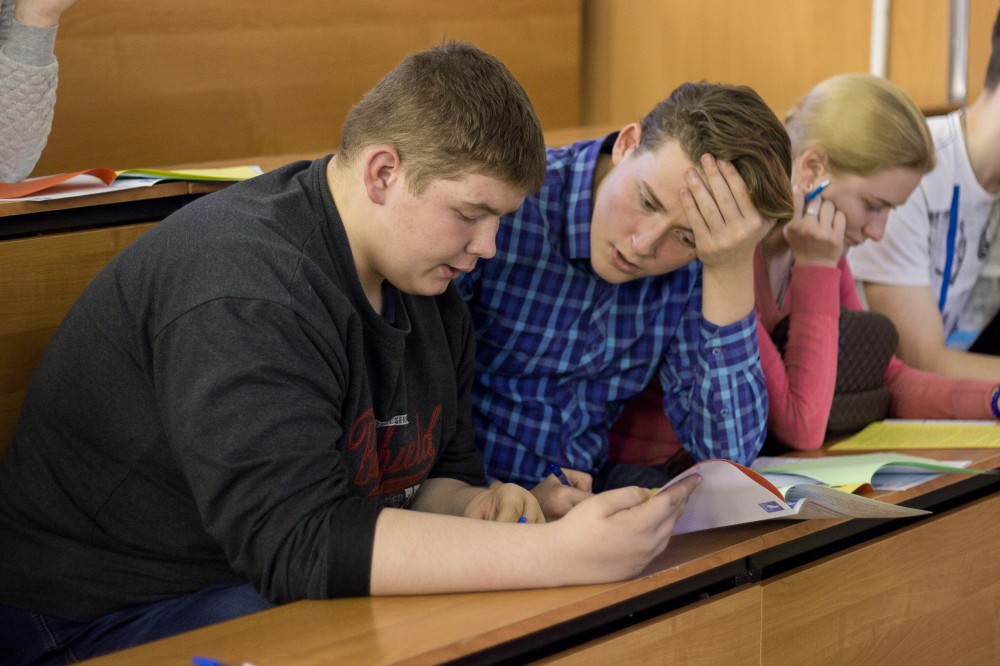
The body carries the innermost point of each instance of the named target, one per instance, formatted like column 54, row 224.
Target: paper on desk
column 850, row 472
column 211, row 174
column 890, row 434
column 898, row 478
column 101, row 180
column 731, row 494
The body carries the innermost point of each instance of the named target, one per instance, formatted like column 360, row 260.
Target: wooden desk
column 832, row 591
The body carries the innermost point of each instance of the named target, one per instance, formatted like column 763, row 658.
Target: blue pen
column 206, row 661
column 557, row 470
column 949, row 256
column 816, row 191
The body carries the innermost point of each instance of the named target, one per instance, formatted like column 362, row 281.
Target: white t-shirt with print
column 914, row 250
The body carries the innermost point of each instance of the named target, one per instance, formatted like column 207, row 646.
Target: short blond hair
column 449, row 111
column 864, row 123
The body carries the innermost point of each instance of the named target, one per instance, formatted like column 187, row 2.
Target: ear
column 382, row 169
column 627, row 141
column 811, row 166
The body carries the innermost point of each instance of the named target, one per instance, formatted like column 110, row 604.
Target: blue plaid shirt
column 559, row 350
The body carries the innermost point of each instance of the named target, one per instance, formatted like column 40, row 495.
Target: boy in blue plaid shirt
column 633, row 263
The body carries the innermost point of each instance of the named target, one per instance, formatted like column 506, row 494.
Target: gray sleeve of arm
column 28, row 78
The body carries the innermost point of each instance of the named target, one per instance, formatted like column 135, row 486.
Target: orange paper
column 36, row 185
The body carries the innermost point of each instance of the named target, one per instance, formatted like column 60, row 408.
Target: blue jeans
column 34, row 638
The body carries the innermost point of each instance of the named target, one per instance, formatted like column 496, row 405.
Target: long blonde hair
column 864, row 123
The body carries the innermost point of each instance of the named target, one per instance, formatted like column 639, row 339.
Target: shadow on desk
column 783, row 592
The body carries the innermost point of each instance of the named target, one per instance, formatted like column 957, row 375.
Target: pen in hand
column 557, row 470
column 815, row 192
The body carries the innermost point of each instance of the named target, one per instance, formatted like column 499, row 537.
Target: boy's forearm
column 727, row 293
column 427, row 553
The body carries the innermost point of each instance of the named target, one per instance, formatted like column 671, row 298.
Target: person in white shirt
column 921, row 275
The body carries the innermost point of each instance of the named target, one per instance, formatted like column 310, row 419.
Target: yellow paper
column 890, row 435
column 215, row 173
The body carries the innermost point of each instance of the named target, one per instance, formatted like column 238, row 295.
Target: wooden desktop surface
column 526, row 624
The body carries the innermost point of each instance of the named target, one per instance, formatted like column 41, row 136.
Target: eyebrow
column 488, row 209
column 652, row 195
column 887, row 204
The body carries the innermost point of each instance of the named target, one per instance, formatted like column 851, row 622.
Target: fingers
column 728, row 188
column 823, row 220
column 676, row 495
column 701, row 208
column 817, row 237
column 819, row 208
column 505, row 503
column 798, row 202
column 619, row 499
column 556, row 499
column 579, row 479
column 531, row 512
column 722, row 195
column 720, row 212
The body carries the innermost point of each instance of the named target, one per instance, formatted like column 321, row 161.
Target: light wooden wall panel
column 929, row 594
column 918, row 48
column 637, row 51
column 154, row 83
column 982, row 16
column 722, row 630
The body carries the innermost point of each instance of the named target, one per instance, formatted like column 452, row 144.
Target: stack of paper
column 101, row 180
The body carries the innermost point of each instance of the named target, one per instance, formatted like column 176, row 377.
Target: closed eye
column 685, row 238
column 648, row 200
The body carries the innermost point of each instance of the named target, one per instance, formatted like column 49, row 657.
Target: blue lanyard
column 950, row 247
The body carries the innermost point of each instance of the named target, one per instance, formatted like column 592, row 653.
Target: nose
column 484, row 239
column 646, row 242
column 875, row 229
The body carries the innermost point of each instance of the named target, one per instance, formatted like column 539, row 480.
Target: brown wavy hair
column 730, row 123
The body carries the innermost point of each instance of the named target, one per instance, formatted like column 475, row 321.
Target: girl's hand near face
column 816, row 232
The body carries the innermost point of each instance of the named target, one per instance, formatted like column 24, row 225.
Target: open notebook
column 731, row 494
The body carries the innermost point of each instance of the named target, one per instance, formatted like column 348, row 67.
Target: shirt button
column 716, row 351
column 724, row 411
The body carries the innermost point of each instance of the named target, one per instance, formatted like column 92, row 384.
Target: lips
column 454, row 271
column 623, row 264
